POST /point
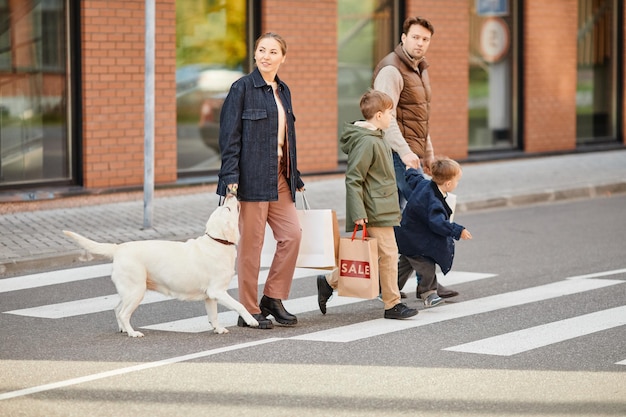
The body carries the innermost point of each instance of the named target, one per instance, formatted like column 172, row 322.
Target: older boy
column 372, row 197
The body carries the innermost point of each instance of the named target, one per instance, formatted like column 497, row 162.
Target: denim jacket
column 248, row 140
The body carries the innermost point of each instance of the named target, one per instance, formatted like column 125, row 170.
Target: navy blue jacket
column 425, row 229
column 248, row 140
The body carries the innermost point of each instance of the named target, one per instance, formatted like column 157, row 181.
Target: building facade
column 507, row 81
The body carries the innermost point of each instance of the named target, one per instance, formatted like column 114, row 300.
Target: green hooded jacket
column 371, row 190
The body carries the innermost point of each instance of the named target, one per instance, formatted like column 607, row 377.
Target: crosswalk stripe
column 459, row 277
column 378, row 327
column 229, row 318
column 600, row 274
column 295, row 306
column 84, row 306
column 25, row 282
column 535, row 337
column 108, row 302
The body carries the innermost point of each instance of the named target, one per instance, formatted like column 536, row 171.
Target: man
column 403, row 75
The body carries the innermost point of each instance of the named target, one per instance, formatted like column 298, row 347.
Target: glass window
column 367, row 30
column 34, row 139
column 596, row 93
column 211, row 53
column 492, row 61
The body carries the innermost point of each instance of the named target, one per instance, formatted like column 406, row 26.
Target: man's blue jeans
column 403, row 188
column 404, row 193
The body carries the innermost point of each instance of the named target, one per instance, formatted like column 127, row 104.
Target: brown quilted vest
column 413, row 108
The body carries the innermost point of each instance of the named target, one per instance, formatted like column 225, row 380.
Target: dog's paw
column 253, row 323
column 135, row 333
column 220, row 330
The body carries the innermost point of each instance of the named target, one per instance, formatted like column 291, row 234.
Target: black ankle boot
column 275, row 308
column 264, row 322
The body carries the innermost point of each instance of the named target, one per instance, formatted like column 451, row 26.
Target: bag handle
column 356, row 229
column 305, row 202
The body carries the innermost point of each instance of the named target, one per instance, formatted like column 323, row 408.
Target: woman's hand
column 360, row 222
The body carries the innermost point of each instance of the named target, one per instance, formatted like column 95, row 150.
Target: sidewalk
column 32, row 239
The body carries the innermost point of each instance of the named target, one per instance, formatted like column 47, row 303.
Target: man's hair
column 444, row 169
column 374, row 101
column 417, row 21
column 277, row 37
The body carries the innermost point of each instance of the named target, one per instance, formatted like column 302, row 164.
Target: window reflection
column 596, row 87
column 365, row 35
column 34, row 144
column 211, row 53
column 491, row 75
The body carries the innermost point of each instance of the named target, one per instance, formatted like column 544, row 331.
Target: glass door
column 596, row 93
column 34, row 85
column 492, row 75
column 367, row 31
column 212, row 46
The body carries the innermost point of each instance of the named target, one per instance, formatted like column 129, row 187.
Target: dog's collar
column 222, row 241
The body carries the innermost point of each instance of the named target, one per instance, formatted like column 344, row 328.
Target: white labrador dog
column 198, row 269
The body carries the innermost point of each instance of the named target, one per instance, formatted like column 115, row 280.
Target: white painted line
column 103, row 303
column 600, row 274
column 456, row 277
column 127, row 370
column 55, row 277
column 621, row 362
column 84, row 306
column 229, row 318
column 378, row 327
column 535, row 337
column 295, row 306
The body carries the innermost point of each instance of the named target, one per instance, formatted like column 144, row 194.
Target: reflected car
column 200, row 93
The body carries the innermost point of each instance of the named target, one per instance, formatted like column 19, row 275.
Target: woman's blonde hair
column 277, row 37
column 444, row 169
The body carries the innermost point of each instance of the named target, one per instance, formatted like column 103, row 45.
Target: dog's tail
column 97, row 248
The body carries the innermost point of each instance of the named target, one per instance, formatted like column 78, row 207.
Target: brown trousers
column 282, row 218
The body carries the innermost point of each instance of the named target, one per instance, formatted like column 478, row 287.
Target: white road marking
column 84, row 306
column 55, row 277
column 367, row 329
column 621, row 362
column 600, row 274
column 535, row 337
column 129, row 369
column 378, row 327
column 108, row 302
column 229, row 318
column 295, row 306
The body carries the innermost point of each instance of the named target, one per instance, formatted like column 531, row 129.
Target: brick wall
column 310, row 71
column 449, row 72
column 113, row 34
column 113, row 82
column 550, row 70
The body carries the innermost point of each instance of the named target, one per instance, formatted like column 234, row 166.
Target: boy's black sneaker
column 400, row 311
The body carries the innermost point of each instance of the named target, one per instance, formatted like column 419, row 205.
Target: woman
column 258, row 146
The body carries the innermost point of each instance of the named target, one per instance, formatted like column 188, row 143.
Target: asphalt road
column 539, row 329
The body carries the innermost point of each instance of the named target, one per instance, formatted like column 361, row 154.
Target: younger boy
column 372, row 198
column 425, row 236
